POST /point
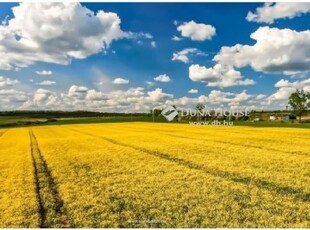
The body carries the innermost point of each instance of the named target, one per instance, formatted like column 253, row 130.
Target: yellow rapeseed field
column 154, row 175
column 18, row 202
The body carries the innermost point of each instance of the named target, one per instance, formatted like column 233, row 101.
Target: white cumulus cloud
column 77, row 91
column 120, row 81
column 193, row 91
column 275, row 50
column 272, row 11
column 7, row 82
column 162, row 78
column 219, row 75
column 55, row 33
column 158, row 95
column 285, row 88
column 196, row 31
column 183, row 54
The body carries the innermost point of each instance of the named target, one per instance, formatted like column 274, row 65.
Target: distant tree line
column 66, row 114
column 299, row 105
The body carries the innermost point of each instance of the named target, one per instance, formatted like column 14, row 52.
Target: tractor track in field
column 2, row 133
column 171, row 134
column 239, row 145
column 51, row 206
column 297, row 193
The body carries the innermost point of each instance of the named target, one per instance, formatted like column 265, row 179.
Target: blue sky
column 57, row 56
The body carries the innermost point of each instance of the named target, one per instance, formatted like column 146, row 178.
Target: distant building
column 289, row 118
column 272, row 118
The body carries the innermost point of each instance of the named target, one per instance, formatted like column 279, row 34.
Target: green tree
column 299, row 102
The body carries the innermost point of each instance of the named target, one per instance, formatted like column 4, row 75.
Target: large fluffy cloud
column 77, row 91
column 159, row 95
column 80, row 97
column 139, row 99
column 285, row 88
column 275, row 50
column 55, row 33
column 42, row 99
column 304, row 84
column 282, row 94
column 196, row 31
column 233, row 100
column 41, row 95
column 219, row 75
column 219, row 99
column 272, row 11
column 135, row 99
column 10, row 98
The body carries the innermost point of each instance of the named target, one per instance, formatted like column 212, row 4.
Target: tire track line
column 51, row 206
column 169, row 133
column 2, row 133
column 238, row 145
column 297, row 193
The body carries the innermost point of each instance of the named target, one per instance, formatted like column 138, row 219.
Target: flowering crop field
column 154, row 175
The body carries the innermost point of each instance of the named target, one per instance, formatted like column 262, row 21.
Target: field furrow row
column 263, row 184
column 248, row 138
column 18, row 204
column 240, row 144
column 2, row 132
column 139, row 175
column 257, row 163
column 51, row 207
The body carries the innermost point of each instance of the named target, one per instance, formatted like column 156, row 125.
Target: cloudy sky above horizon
column 126, row 57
